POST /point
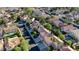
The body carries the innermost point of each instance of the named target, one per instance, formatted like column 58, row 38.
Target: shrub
column 61, row 36
column 24, row 45
column 69, row 42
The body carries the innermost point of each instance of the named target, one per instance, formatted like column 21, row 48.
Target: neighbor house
column 12, row 42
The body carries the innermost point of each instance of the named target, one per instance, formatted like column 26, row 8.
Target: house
column 55, row 20
column 75, row 33
column 57, row 42
column 58, row 23
column 50, row 39
column 67, row 28
column 12, row 42
column 45, row 35
column 10, row 29
column 35, row 24
column 39, row 12
column 1, row 45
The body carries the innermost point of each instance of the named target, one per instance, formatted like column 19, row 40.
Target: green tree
column 69, row 42
column 29, row 11
column 56, row 31
column 41, row 19
column 61, row 36
column 24, row 45
column 48, row 26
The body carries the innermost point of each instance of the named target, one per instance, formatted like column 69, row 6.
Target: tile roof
column 12, row 42
column 45, row 35
column 56, row 21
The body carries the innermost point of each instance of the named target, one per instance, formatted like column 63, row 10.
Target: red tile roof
column 68, row 27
